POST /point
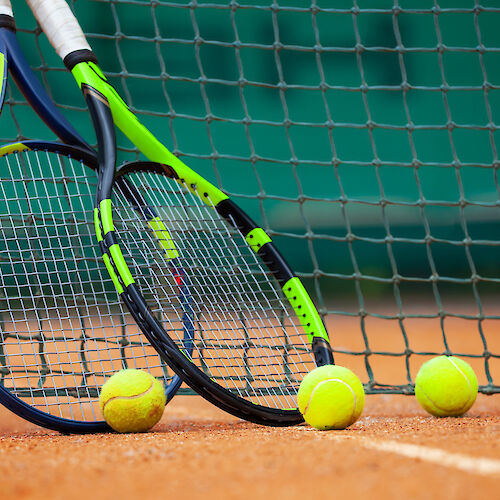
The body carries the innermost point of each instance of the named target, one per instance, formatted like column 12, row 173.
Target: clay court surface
column 394, row 451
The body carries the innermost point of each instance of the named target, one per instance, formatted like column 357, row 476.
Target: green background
column 362, row 137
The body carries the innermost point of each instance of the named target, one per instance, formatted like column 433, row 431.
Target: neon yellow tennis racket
column 256, row 330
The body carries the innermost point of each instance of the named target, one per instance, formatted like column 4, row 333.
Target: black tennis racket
column 257, row 332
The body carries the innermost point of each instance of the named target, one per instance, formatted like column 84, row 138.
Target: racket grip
column 6, row 8
column 60, row 26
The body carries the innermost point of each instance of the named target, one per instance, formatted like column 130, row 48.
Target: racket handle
column 6, row 8
column 60, row 26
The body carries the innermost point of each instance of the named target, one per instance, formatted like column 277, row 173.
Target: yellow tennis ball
column 331, row 397
column 446, row 386
column 132, row 401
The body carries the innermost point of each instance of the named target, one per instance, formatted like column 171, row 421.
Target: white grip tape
column 60, row 25
column 6, row 8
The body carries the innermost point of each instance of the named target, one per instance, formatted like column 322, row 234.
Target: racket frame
column 13, row 61
column 106, row 108
column 256, row 238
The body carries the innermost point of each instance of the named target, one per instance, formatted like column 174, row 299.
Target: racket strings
column 247, row 337
column 63, row 330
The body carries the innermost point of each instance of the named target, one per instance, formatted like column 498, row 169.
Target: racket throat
column 106, row 139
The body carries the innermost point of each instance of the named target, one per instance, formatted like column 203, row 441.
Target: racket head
column 99, row 95
column 63, row 328
column 250, row 346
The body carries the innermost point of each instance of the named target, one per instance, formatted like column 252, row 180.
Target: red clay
column 196, row 451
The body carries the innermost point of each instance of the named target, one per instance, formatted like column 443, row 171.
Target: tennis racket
column 63, row 329
column 257, row 332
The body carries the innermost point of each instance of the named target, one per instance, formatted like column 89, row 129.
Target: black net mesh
column 362, row 137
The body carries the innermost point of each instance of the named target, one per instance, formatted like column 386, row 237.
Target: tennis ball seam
column 135, row 396
column 466, row 379
column 332, row 380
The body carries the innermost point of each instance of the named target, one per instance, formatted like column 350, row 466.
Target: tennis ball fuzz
column 132, row 401
column 331, row 397
column 446, row 386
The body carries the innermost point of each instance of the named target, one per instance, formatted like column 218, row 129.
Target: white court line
column 483, row 466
